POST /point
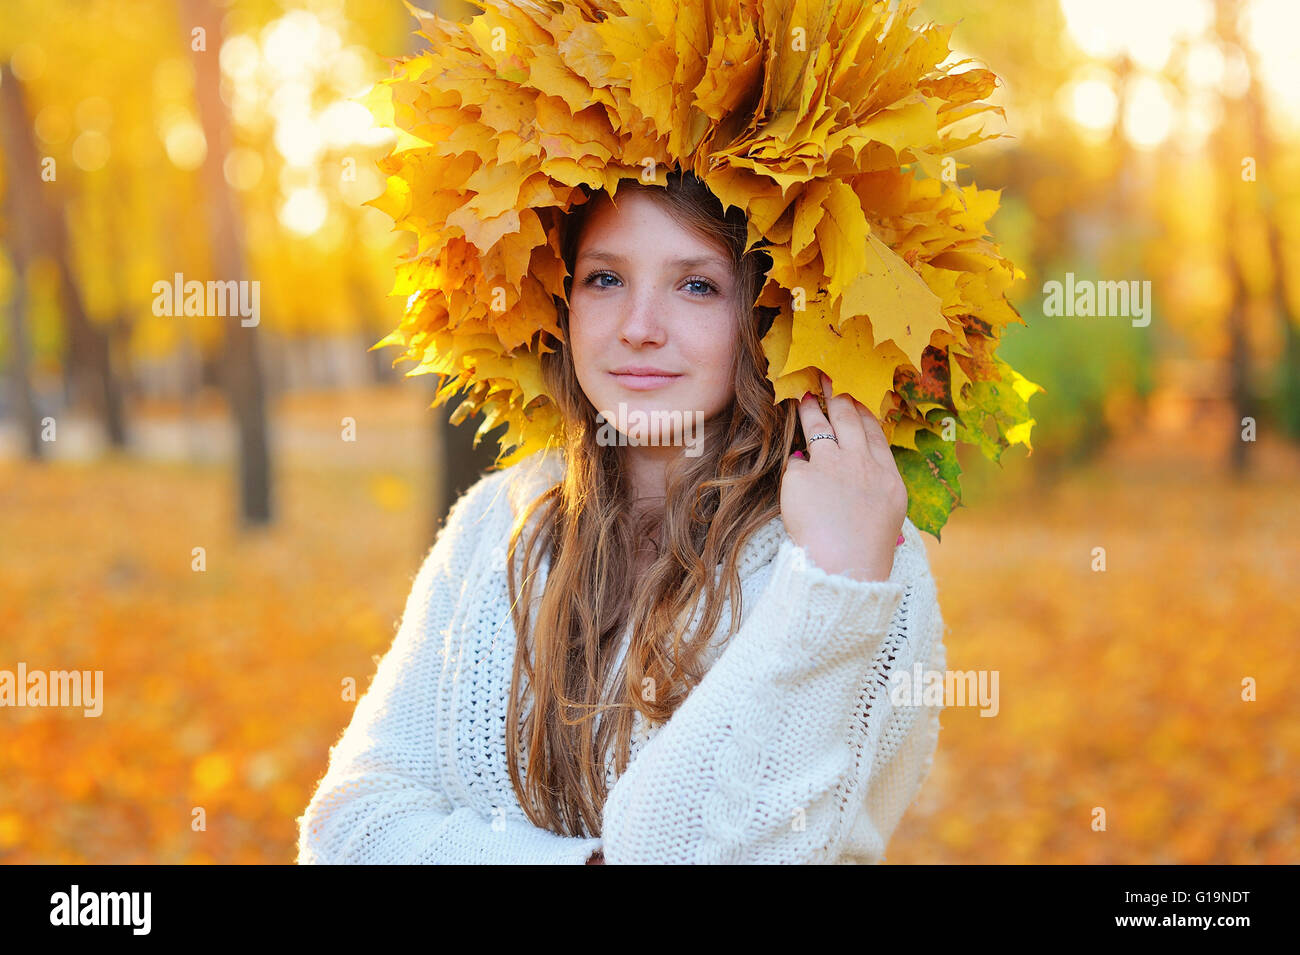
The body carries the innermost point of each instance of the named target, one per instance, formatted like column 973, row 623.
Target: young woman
column 664, row 643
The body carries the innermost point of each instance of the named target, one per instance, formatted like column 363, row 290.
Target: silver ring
column 817, row 437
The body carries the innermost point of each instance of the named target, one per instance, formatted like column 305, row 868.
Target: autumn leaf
column 823, row 122
column 902, row 309
column 931, row 474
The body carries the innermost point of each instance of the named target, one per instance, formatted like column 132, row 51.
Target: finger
column 874, row 432
column 812, row 419
column 844, row 417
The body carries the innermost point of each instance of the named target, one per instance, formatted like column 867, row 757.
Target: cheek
column 580, row 337
column 707, row 340
column 584, row 342
column 712, row 357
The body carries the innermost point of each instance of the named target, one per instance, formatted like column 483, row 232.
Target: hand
column 844, row 503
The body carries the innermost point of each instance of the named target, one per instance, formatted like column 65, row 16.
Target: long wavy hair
column 573, row 695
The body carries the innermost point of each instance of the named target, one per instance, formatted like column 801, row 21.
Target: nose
column 641, row 323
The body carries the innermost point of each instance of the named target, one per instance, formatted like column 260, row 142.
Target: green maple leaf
column 931, row 475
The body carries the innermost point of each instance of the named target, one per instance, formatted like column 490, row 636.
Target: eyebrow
column 687, row 262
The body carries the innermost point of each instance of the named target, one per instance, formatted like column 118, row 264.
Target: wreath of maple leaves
column 831, row 123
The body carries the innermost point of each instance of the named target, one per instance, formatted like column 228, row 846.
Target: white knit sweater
column 790, row 750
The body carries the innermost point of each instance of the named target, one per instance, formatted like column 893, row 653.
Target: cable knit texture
column 790, row 750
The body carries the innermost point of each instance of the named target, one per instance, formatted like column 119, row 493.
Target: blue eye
column 594, row 280
column 706, row 283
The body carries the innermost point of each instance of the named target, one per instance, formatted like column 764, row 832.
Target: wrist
column 871, row 569
column 874, row 574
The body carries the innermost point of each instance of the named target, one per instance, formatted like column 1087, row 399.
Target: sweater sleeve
column 913, row 739
column 381, row 800
column 769, row 758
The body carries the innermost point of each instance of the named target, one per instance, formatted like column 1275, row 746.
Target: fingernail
column 798, row 454
column 806, row 396
column 900, row 539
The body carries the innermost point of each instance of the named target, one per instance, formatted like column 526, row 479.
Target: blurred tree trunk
column 20, row 369
column 118, row 332
column 457, row 463
column 19, row 214
column 45, row 231
column 89, row 343
column 440, row 464
column 1266, row 171
column 1231, row 153
column 1238, row 365
column 189, row 360
column 1289, row 387
column 20, row 343
column 244, row 381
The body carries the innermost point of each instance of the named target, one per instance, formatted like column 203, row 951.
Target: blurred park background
column 1148, row 140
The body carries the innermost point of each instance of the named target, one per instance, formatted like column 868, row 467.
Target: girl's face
column 652, row 320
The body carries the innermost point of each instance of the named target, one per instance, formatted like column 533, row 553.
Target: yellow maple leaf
column 901, row 307
column 847, row 356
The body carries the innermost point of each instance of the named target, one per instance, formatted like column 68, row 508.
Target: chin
column 655, row 423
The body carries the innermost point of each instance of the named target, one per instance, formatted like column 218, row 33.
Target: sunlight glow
column 1269, row 26
column 303, row 211
column 1093, row 104
column 296, row 79
column 1148, row 32
column 293, row 43
column 182, row 138
column 1148, row 113
column 1144, row 30
column 1201, row 114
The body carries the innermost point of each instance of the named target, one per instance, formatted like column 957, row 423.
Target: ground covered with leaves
column 1119, row 689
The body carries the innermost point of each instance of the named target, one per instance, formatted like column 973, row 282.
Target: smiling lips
column 643, row 377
